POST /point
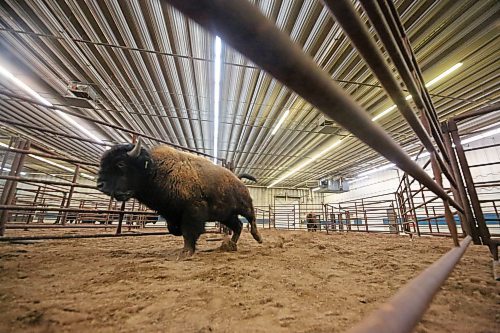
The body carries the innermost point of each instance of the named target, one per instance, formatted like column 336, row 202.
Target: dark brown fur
column 186, row 189
column 312, row 222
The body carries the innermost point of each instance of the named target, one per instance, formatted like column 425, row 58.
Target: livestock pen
column 72, row 259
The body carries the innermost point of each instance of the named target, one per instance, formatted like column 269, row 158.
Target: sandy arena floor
column 294, row 282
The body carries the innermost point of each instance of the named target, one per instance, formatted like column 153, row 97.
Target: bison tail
column 247, row 176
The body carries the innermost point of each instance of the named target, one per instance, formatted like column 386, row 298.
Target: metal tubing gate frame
column 242, row 26
column 61, row 204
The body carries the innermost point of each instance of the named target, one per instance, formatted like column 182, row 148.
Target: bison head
column 123, row 171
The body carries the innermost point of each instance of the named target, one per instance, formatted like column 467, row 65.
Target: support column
column 468, row 224
column 70, row 194
column 484, row 233
column 10, row 186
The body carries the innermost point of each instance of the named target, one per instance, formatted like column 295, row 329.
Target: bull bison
column 312, row 222
column 187, row 190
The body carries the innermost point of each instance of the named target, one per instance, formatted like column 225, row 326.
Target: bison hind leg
column 250, row 216
column 235, row 225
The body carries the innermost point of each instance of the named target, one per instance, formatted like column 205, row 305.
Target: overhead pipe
column 352, row 25
column 398, row 29
column 71, row 210
column 52, row 237
column 243, row 27
column 404, row 68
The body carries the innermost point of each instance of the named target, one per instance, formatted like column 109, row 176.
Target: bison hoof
column 228, row 246
column 184, row 254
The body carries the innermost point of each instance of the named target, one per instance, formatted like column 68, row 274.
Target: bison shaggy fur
column 187, row 190
column 312, row 222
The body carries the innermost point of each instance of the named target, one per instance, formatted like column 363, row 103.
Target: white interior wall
column 382, row 184
column 262, row 196
column 386, row 182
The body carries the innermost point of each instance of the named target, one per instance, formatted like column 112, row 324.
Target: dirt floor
column 293, row 282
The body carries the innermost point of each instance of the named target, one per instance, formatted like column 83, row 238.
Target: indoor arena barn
column 249, row 166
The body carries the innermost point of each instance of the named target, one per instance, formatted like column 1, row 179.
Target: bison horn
column 136, row 150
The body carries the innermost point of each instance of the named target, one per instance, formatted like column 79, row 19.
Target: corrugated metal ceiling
column 153, row 70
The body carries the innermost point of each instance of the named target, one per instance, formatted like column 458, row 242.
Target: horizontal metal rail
column 51, row 237
column 480, row 112
column 48, row 130
column 67, row 226
column 243, row 27
column 104, row 123
column 483, row 164
column 59, row 158
column 414, row 297
column 44, row 181
column 483, row 147
column 15, row 208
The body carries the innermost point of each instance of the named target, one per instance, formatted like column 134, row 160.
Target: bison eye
column 121, row 165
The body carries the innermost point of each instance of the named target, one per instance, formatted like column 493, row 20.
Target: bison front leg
column 191, row 231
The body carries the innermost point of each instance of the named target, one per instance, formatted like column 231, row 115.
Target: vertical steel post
column 110, row 206
column 394, row 211
column 348, row 220
column 120, row 218
column 12, row 142
column 35, row 201
column 496, row 212
column 270, row 213
column 484, row 233
column 356, row 215
column 468, row 224
column 364, row 214
column 63, row 203
column 426, row 211
column 436, row 170
column 436, row 220
column 70, row 194
column 10, row 186
column 411, row 205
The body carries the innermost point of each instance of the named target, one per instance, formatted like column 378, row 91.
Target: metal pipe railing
column 352, row 25
column 72, row 210
column 59, row 158
column 479, row 112
column 45, row 181
column 397, row 28
column 102, row 123
column 47, row 237
column 243, row 27
column 393, row 40
column 414, row 297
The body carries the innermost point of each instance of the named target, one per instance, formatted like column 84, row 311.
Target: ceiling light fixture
column 444, row 74
column 306, row 163
column 217, row 74
column 45, row 102
column 280, row 122
column 380, row 115
column 430, row 83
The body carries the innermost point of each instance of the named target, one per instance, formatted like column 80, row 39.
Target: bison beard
column 187, row 190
